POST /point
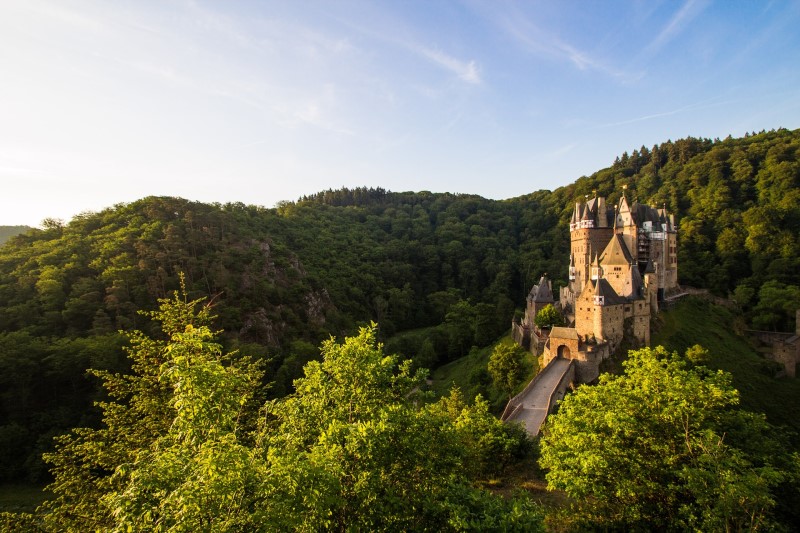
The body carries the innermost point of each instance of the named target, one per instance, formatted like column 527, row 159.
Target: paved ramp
column 532, row 405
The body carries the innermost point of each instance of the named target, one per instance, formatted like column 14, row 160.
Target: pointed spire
column 623, row 204
column 586, row 213
column 597, row 271
column 599, row 296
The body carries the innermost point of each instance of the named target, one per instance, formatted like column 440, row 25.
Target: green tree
column 352, row 449
column 547, row 317
column 505, row 367
column 202, row 474
column 168, row 429
column 777, row 306
column 662, row 447
column 460, row 325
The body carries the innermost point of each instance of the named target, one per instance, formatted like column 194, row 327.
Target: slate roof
column 602, row 287
column 636, row 280
column 616, row 253
column 541, row 293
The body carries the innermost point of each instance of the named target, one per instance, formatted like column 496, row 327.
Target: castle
column 623, row 261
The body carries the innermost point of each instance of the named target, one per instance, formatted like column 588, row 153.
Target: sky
column 264, row 101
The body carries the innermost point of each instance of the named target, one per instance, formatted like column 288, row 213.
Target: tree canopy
column 286, row 278
column 547, row 317
column 664, row 447
column 505, row 367
column 185, row 446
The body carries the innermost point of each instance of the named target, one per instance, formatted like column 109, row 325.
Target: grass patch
column 696, row 321
column 469, row 373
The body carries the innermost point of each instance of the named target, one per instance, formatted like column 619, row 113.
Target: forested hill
column 6, row 232
column 283, row 279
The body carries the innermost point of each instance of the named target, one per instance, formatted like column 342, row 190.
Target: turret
column 576, row 217
column 636, row 283
column 599, row 298
column 599, row 304
column 602, row 212
column 597, row 270
column 588, row 219
column 571, row 268
column 626, row 223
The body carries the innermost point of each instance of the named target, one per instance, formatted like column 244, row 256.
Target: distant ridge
column 6, row 232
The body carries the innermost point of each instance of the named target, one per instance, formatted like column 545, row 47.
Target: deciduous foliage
column 354, row 450
column 663, row 447
column 351, row 449
column 167, row 425
column 319, row 266
column 547, row 317
column 505, row 367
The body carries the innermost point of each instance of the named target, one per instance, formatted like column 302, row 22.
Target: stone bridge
column 537, row 400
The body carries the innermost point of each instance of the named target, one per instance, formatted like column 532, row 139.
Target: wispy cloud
column 705, row 104
column 678, row 22
column 546, row 44
column 466, row 70
column 562, row 151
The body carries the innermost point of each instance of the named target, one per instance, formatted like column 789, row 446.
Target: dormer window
column 599, row 300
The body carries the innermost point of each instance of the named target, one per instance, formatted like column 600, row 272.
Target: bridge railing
column 567, row 377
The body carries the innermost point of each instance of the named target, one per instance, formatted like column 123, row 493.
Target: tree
column 352, row 449
column 547, row 317
column 169, row 454
column 505, row 367
column 662, row 447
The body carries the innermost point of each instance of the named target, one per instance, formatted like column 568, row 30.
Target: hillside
column 6, row 232
column 281, row 280
column 696, row 321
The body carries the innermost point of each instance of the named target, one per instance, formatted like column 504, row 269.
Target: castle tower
column 599, row 304
column 615, row 264
column 651, row 287
column 571, row 268
column 597, row 270
column 589, row 232
column 540, row 296
column 626, row 224
column 671, row 257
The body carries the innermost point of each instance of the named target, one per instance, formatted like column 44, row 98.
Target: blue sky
column 106, row 102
